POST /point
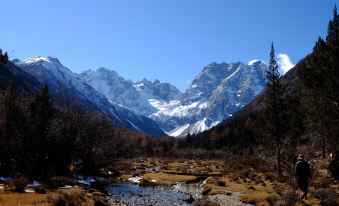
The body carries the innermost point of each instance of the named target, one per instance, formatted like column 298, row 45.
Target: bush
column 271, row 200
column 63, row 199
column 99, row 185
column 205, row 202
column 334, row 168
column 326, row 197
column 41, row 189
column 290, row 198
column 101, row 202
column 221, row 183
column 17, row 184
column 245, row 173
column 59, row 181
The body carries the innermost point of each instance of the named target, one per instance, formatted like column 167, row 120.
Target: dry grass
column 204, row 202
column 15, row 199
column 167, row 179
column 253, row 176
column 67, row 199
column 36, row 199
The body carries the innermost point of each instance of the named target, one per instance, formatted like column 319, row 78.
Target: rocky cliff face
column 68, row 86
column 137, row 96
column 216, row 93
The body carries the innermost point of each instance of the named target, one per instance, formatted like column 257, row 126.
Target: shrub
column 289, row 198
column 17, row 184
column 271, row 200
column 326, row 197
column 101, row 202
column 244, row 173
column 334, row 168
column 41, row 189
column 221, row 183
column 59, row 181
column 99, row 185
column 63, row 199
column 205, row 202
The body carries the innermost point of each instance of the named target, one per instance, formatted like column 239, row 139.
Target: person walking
column 302, row 175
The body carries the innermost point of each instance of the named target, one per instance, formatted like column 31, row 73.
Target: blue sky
column 171, row 40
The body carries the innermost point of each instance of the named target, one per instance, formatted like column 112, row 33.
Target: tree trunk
column 324, row 147
column 279, row 161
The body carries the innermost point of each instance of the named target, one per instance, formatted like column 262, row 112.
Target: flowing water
column 130, row 194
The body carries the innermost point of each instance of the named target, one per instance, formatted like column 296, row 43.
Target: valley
column 241, row 134
column 180, row 181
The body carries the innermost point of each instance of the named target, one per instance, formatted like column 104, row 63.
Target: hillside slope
column 66, row 87
column 311, row 116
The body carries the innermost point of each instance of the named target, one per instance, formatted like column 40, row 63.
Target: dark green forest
column 306, row 112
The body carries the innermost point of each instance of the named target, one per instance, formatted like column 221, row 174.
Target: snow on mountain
column 216, row 93
column 59, row 78
column 144, row 97
column 63, row 83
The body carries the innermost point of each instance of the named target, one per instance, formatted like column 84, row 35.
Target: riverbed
column 131, row 194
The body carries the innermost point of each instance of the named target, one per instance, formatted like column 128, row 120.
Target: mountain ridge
column 67, row 86
column 218, row 91
column 195, row 109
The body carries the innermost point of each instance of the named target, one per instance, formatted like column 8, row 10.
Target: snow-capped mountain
column 144, row 97
column 68, row 86
column 216, row 93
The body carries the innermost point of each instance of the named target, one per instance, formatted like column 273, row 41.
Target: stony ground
column 220, row 182
column 221, row 185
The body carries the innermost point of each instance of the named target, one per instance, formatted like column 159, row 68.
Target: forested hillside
column 309, row 118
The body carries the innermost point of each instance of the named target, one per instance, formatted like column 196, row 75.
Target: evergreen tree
column 319, row 75
column 8, row 150
column 3, row 57
column 274, row 104
column 333, row 28
column 41, row 110
column 334, row 165
column 14, row 133
column 333, row 44
column 188, row 140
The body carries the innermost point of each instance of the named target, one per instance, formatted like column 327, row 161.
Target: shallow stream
column 130, row 194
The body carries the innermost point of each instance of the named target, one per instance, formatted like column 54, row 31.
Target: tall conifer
column 274, row 104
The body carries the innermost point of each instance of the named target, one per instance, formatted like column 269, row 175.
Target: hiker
column 302, row 174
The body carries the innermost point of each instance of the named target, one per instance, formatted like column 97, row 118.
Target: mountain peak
column 106, row 71
column 33, row 60
column 255, row 62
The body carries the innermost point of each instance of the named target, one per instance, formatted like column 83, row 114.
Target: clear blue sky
column 166, row 39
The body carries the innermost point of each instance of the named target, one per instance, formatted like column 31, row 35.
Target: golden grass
column 167, row 179
column 254, row 184
column 35, row 199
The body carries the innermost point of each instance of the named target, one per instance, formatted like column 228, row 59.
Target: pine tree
column 333, row 28
column 188, row 140
column 14, row 131
column 3, row 57
column 319, row 75
column 41, row 110
column 320, row 45
column 8, row 161
column 334, row 164
column 274, row 104
column 333, row 44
